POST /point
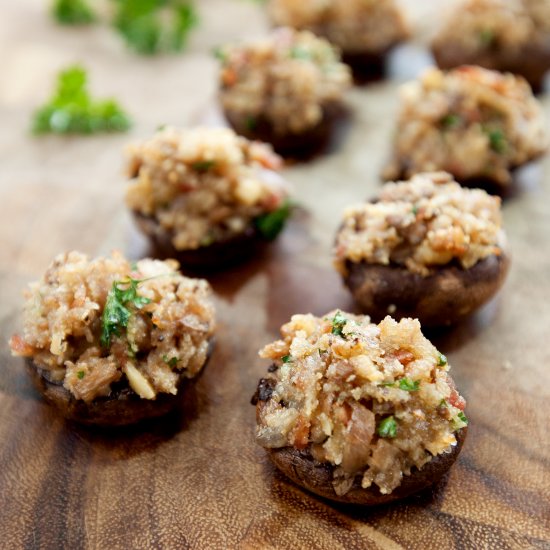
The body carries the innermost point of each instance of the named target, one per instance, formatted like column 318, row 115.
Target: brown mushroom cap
column 218, row 255
column 121, row 407
column 299, row 145
column 441, row 298
column 532, row 62
column 317, row 477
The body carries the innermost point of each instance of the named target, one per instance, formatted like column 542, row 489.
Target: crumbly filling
column 204, row 185
column 355, row 26
column 91, row 323
column 372, row 400
column 471, row 122
column 422, row 223
column 287, row 78
column 503, row 26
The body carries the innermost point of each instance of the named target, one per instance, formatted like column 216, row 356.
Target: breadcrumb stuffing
column 372, row 400
column 166, row 337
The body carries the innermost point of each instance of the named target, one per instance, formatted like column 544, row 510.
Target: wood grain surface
column 199, row 480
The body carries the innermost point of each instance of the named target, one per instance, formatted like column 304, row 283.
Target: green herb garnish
column 81, row 374
column 338, row 324
column 271, row 224
column 286, row 359
column 116, row 313
column 443, row 403
column 451, row 121
column 486, row 37
column 152, row 26
column 460, row 421
column 172, row 362
column 414, row 210
column 497, row 140
column 72, row 110
column 387, row 428
column 73, row 12
column 220, row 54
column 203, row 165
column 409, row 385
column 441, row 360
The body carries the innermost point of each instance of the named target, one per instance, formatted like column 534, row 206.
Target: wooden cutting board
column 199, row 480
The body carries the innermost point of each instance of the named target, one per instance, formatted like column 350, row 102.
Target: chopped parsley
column 486, row 37
column 116, row 314
column 497, row 140
column 203, row 165
column 414, row 210
column 81, row 374
column 172, row 362
column 152, row 26
column 338, row 324
column 220, row 54
column 286, row 359
column 405, row 384
column 387, row 428
column 73, row 111
column 441, row 360
column 451, row 121
column 409, row 385
column 460, row 421
column 271, row 224
column 73, row 12
column 443, row 403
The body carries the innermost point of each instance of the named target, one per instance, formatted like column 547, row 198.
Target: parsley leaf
column 172, row 362
column 387, row 428
column 486, row 37
column 116, row 313
column 338, row 324
column 73, row 12
column 497, row 140
column 460, row 421
column 441, row 360
column 81, row 374
column 409, row 385
column 271, row 224
column 451, row 121
column 203, row 165
column 152, row 26
column 72, row 110
column 286, row 359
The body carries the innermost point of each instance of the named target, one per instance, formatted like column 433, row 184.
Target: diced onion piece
column 138, row 382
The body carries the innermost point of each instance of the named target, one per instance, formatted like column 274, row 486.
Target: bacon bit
column 300, row 433
column 404, row 356
column 229, row 77
column 19, row 347
column 456, row 400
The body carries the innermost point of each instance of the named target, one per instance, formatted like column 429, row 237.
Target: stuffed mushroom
column 425, row 248
column 286, row 89
column 478, row 125
column 112, row 343
column 358, row 412
column 364, row 30
column 206, row 196
column 505, row 35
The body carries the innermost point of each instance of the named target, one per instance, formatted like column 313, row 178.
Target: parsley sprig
column 338, row 324
column 73, row 111
column 271, row 224
column 152, row 26
column 387, row 428
column 73, row 12
column 117, row 312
